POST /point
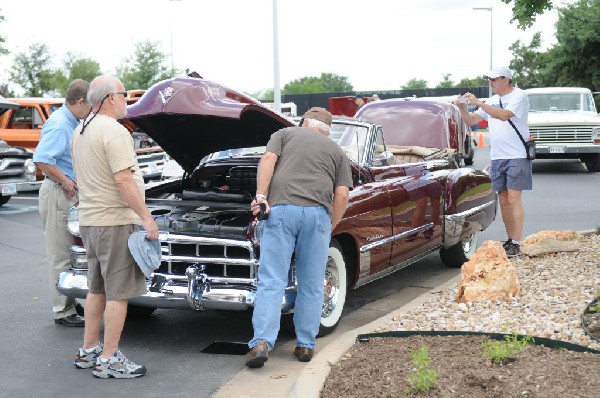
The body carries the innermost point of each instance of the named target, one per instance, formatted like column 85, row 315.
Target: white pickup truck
column 565, row 124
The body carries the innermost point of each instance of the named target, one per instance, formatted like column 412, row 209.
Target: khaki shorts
column 112, row 271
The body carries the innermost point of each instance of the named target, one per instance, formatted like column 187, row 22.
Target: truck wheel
column 4, row 199
column 592, row 162
column 138, row 312
column 335, row 289
column 455, row 256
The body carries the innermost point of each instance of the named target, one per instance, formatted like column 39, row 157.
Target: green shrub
column 421, row 378
column 502, row 351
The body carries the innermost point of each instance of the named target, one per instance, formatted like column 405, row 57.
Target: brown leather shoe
column 258, row 355
column 304, row 354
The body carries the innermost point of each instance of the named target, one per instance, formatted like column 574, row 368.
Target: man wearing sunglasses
column 111, row 208
column 506, row 113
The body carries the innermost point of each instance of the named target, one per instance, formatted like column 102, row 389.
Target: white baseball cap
column 497, row 72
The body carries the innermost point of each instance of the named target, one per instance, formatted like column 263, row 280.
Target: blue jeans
column 305, row 232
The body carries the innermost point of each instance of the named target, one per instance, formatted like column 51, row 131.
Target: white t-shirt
column 504, row 141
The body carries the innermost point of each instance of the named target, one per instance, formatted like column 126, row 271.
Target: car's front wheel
column 4, row 200
column 592, row 162
column 335, row 289
column 455, row 256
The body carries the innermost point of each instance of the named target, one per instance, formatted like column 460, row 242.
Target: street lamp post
column 276, row 88
column 490, row 9
column 171, row 33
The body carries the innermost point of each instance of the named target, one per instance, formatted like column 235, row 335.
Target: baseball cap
column 320, row 114
column 497, row 72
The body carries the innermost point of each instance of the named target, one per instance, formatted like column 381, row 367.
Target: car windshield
column 561, row 102
column 353, row 140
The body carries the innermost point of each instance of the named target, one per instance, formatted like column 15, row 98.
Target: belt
column 51, row 180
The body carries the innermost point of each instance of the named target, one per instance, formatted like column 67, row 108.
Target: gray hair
column 100, row 87
column 317, row 124
column 77, row 89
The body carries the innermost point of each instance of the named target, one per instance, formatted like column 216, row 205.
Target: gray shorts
column 112, row 271
column 512, row 174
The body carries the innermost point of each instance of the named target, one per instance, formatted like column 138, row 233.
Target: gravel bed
column 555, row 290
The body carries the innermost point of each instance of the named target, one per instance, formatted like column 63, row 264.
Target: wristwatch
column 260, row 195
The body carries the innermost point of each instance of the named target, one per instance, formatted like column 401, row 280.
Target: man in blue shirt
column 59, row 192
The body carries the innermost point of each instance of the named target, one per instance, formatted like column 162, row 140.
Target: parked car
column 420, row 122
column 565, row 124
column 398, row 211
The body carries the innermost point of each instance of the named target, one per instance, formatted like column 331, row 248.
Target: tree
column 146, row 68
column 3, row 51
column 479, row 81
column 527, row 62
column 525, row 11
column 326, row 83
column 446, row 81
column 32, row 70
column 414, row 84
column 575, row 60
column 75, row 67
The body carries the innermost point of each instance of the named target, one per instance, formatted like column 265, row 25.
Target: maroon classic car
column 407, row 201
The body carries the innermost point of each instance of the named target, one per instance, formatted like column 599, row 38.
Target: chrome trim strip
column 177, row 238
column 394, row 238
column 387, row 271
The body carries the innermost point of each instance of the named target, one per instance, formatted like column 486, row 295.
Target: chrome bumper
column 195, row 291
column 454, row 223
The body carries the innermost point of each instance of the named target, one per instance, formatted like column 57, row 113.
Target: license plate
column 9, row 189
column 557, row 148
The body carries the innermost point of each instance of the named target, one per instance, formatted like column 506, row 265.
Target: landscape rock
column 546, row 242
column 488, row 276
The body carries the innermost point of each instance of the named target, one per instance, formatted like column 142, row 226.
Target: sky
column 378, row 44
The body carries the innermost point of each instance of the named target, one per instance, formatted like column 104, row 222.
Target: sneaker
column 85, row 360
column 117, row 366
column 512, row 250
column 507, row 243
column 258, row 355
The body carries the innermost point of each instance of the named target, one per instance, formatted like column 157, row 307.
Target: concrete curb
column 313, row 375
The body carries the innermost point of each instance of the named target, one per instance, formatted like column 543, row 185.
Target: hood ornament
column 167, row 94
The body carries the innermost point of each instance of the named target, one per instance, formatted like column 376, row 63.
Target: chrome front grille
column 223, row 260
column 12, row 167
column 568, row 133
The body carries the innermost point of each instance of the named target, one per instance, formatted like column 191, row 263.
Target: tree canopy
column 414, row 84
column 3, row 51
column 526, row 11
column 145, row 68
column 326, row 83
column 32, row 70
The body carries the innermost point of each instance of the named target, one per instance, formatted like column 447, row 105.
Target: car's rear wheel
column 455, row 256
column 138, row 312
column 592, row 162
column 4, row 200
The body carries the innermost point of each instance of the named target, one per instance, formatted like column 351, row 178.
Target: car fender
column 470, row 204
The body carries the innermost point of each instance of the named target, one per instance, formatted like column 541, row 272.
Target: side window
column 379, row 148
column 25, row 118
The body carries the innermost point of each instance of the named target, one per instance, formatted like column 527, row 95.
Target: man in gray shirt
column 303, row 181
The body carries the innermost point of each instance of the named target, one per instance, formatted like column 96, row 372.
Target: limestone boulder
column 488, row 276
column 546, row 242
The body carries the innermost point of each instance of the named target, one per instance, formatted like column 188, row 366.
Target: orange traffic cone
column 481, row 143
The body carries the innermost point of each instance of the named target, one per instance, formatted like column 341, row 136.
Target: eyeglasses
column 496, row 78
column 125, row 94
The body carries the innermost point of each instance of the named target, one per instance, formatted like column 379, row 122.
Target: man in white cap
column 303, row 181
column 506, row 113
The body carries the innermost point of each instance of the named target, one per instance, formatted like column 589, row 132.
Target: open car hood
column 191, row 118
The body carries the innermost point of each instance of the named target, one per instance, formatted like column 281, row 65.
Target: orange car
column 22, row 127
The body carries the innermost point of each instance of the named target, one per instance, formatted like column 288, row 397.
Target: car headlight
column 30, row 167
column 73, row 220
column 596, row 135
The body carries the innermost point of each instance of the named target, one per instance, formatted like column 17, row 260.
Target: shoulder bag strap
column 512, row 124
